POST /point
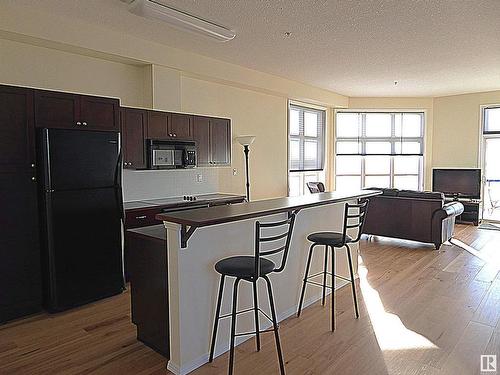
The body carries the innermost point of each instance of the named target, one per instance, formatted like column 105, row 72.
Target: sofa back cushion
column 401, row 217
column 420, row 194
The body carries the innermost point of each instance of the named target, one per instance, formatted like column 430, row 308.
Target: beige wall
column 457, row 128
column 27, row 65
column 149, row 75
column 41, row 50
column 253, row 113
column 425, row 104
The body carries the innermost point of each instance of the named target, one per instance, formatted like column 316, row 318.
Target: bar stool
column 245, row 268
column 354, row 217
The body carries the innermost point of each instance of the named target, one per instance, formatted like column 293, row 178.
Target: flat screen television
column 459, row 183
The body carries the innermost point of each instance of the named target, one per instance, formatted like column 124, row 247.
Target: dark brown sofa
column 412, row 215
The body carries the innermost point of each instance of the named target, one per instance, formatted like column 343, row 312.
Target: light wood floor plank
column 422, row 312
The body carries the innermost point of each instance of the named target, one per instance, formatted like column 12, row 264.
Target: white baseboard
column 223, row 348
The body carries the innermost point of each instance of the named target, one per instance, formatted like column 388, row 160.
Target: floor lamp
column 246, row 141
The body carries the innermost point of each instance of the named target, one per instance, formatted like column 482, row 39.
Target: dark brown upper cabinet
column 20, row 275
column 99, row 113
column 73, row 111
column 158, row 124
column 134, row 123
column 165, row 125
column 181, row 126
column 201, row 134
column 213, row 140
column 220, row 141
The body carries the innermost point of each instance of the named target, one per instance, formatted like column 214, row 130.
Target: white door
column 491, row 177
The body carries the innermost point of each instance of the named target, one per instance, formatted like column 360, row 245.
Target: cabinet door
column 16, row 129
column 158, row 125
column 99, row 113
column 220, row 141
column 181, row 126
column 57, row 110
column 20, row 275
column 133, row 126
column 201, row 134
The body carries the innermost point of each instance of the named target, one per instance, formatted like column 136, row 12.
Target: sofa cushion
column 386, row 191
column 420, row 194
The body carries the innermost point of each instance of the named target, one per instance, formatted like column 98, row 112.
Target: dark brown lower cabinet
column 149, row 287
column 20, row 274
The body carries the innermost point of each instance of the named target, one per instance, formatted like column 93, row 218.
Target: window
column 379, row 149
column 491, row 120
column 306, row 147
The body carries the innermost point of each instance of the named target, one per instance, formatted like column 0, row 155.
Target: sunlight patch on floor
column 390, row 331
column 490, row 257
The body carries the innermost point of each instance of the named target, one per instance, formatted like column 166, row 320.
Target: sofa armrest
column 443, row 222
column 453, row 209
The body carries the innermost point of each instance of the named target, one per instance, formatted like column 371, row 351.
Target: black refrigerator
column 82, row 216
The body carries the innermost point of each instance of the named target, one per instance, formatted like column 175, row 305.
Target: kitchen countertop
column 201, row 217
column 179, row 201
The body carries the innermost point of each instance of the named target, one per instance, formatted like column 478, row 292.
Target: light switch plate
column 235, row 172
column 199, row 177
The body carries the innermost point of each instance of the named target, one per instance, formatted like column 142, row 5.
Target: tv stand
column 472, row 210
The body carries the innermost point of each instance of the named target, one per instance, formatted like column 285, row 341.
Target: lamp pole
column 246, row 141
column 246, row 151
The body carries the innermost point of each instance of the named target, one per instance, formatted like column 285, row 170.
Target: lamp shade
column 245, row 140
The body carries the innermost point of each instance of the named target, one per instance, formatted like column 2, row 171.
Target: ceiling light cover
column 180, row 20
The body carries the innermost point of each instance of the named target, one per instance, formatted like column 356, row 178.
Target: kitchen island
column 196, row 239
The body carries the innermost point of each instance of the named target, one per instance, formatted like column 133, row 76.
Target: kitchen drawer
column 142, row 217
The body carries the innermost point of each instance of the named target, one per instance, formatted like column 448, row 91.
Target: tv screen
column 465, row 183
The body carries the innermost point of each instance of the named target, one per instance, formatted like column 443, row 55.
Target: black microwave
column 168, row 154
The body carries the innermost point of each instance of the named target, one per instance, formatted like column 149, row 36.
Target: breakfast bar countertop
column 201, row 217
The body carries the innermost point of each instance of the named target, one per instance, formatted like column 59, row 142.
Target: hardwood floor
column 422, row 312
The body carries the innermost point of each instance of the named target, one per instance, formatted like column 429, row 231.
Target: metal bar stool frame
column 359, row 219
column 284, row 250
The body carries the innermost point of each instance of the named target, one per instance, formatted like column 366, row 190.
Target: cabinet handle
column 78, row 123
column 175, row 135
column 84, row 123
column 33, row 178
column 170, row 135
column 129, row 163
column 141, row 217
column 32, row 165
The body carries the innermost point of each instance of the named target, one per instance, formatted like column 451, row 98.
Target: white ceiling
column 355, row 48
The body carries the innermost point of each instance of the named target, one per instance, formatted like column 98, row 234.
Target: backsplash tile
column 148, row 184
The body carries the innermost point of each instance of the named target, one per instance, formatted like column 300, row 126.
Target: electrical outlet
column 199, row 177
column 235, row 172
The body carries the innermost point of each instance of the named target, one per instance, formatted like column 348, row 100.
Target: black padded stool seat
column 243, row 266
column 329, row 238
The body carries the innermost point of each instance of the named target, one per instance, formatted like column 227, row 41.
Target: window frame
column 302, row 138
column 304, row 174
column 484, row 119
column 362, row 140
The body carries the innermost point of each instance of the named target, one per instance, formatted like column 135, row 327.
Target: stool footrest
column 318, row 274
column 245, row 311
column 321, row 285
column 255, row 332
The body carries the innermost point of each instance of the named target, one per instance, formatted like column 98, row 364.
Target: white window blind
column 380, row 133
column 491, row 120
column 306, row 138
column 379, row 149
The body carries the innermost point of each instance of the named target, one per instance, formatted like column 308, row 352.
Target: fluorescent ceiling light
column 180, row 20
